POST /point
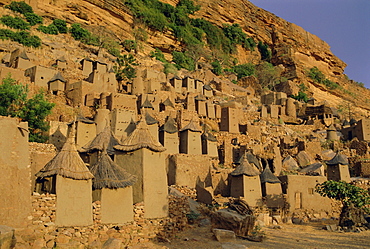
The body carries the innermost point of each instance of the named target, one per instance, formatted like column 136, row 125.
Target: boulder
column 229, row 219
column 304, row 159
column 7, row 239
column 223, row 235
column 289, row 163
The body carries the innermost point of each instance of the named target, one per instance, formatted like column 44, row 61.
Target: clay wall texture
column 73, row 204
column 15, row 187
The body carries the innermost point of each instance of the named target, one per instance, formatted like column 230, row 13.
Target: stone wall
column 42, row 231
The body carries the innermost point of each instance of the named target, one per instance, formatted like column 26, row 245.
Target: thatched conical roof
column 331, row 128
column 168, row 102
column 352, row 121
column 23, row 55
column 251, row 159
column 207, row 87
column 200, row 97
column 345, row 123
column 245, row 169
column 338, row 159
column 58, row 76
column 170, row 126
column 67, row 163
column 311, row 168
column 107, row 174
column 150, row 120
column 268, row 176
column 140, row 138
column 209, row 136
column 147, row 104
column 105, row 139
column 192, row 126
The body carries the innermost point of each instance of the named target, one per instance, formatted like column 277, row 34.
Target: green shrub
column 140, row 34
column 316, row 75
column 301, row 96
column 237, row 37
column 15, row 22
column 129, row 45
column 124, row 67
column 79, row 33
column 188, row 6
column 33, row 19
column 61, row 25
column 157, row 53
column 243, row 70
column 20, row 7
column 51, row 29
column 265, row 51
column 14, row 103
column 169, row 68
column 183, row 61
column 216, row 67
column 21, row 37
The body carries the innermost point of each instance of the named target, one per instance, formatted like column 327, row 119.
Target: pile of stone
column 189, row 192
column 43, row 209
column 39, row 147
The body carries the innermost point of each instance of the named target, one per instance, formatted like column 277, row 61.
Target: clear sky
column 343, row 24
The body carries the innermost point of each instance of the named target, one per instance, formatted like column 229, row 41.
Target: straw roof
column 268, row 176
column 140, row 138
column 107, row 174
column 105, row 139
column 251, row 159
column 331, row 128
column 67, row 163
column 23, row 55
column 338, row 159
column 168, row 102
column 200, row 97
column 170, row 126
column 58, row 76
column 311, row 168
column 245, row 169
column 150, row 120
column 192, row 126
column 207, row 87
column 209, row 136
column 345, row 123
column 147, row 104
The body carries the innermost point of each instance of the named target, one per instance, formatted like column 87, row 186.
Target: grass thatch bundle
column 107, row 174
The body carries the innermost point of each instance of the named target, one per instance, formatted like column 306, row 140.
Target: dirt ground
column 289, row 236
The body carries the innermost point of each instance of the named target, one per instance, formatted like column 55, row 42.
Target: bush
column 188, row 6
column 51, row 29
column 183, row 61
column 301, row 96
column 265, row 51
column 14, row 22
column 79, row 33
column 169, row 68
column 158, row 55
column 129, row 45
column 21, row 37
column 124, row 67
column 216, row 67
column 243, row 70
column 14, row 103
column 237, row 37
column 20, row 7
column 61, row 25
column 319, row 77
column 33, row 19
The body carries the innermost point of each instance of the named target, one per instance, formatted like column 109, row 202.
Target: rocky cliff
column 294, row 50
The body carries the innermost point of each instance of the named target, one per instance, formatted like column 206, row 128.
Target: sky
column 343, row 24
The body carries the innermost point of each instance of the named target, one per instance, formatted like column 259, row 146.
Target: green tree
column 124, row 67
column 268, row 75
column 182, row 60
column 14, row 103
column 217, row 67
column 355, row 201
column 243, row 70
column 265, row 51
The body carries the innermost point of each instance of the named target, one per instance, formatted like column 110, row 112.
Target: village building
column 112, row 186
column 169, row 137
column 40, row 75
column 19, row 59
column 87, row 66
column 322, row 113
column 61, row 63
column 189, row 84
column 141, row 155
column 331, row 133
column 338, row 168
column 359, row 129
column 271, row 189
column 245, row 183
column 122, row 122
column 201, row 105
column 209, row 145
column 229, row 120
column 67, row 176
column 176, row 82
column 152, row 126
column 57, row 133
column 166, row 105
column 85, row 131
column 300, row 193
column 57, row 84
column 190, row 139
column 207, row 91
